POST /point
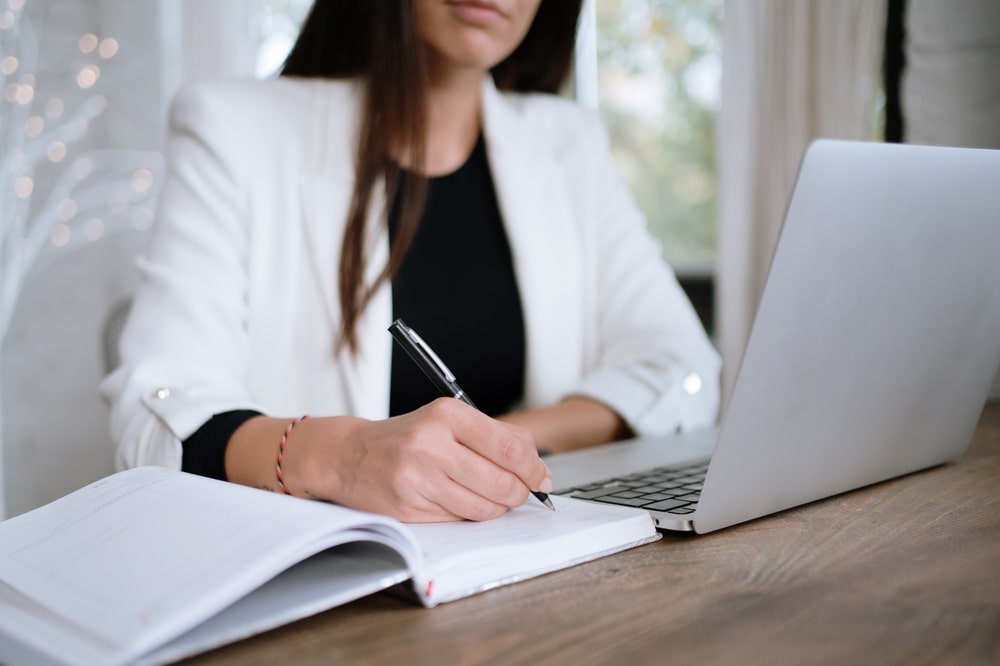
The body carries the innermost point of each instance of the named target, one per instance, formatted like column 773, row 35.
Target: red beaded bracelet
column 281, row 452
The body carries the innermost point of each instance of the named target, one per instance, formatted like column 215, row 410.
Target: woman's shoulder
column 231, row 100
column 287, row 119
column 552, row 110
column 556, row 120
column 561, row 127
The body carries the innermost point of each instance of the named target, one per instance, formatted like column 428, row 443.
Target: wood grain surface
column 903, row 572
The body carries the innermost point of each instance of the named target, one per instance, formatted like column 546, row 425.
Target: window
column 659, row 67
column 274, row 25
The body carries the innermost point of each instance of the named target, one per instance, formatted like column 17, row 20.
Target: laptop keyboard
column 671, row 489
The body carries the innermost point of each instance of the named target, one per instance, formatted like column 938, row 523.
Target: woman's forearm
column 575, row 422
column 444, row 461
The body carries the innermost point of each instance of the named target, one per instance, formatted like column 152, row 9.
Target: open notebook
column 152, row 565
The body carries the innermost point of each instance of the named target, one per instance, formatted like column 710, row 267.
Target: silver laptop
column 871, row 355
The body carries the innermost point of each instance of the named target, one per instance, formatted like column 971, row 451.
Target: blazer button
column 161, row 393
column 691, row 384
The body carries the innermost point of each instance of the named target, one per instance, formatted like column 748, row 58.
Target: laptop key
column 597, row 492
column 624, row 501
column 593, row 486
column 666, row 505
column 682, row 510
column 628, row 494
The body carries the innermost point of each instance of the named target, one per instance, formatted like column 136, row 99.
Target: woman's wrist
column 300, row 454
column 318, row 457
column 205, row 450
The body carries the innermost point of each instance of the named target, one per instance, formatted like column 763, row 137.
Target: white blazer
column 238, row 305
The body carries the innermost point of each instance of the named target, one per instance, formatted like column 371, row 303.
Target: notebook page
column 465, row 558
column 141, row 556
column 303, row 590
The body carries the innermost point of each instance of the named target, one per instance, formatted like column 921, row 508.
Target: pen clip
column 419, row 341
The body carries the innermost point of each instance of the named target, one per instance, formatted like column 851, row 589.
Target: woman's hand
column 444, row 461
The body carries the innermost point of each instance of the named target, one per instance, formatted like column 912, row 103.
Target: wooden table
column 904, row 572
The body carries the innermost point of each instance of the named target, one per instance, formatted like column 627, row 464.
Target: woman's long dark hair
column 376, row 41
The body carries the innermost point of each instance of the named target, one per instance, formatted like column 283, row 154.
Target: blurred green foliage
column 659, row 69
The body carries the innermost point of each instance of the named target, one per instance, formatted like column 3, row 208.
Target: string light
column 24, row 186
column 56, row 152
column 22, row 93
column 142, row 180
column 88, row 76
column 8, row 65
column 108, row 48
column 87, row 43
column 25, row 94
column 34, row 126
column 67, row 210
column 55, row 179
column 61, row 235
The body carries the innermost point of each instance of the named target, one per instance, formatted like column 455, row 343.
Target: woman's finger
column 506, row 446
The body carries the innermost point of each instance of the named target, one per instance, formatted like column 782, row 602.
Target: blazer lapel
column 326, row 188
column 538, row 216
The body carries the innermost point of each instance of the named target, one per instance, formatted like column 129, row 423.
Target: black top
column 456, row 288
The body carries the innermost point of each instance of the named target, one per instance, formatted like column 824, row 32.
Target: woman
column 386, row 175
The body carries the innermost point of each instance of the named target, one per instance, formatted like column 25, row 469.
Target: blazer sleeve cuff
column 155, row 430
column 654, row 404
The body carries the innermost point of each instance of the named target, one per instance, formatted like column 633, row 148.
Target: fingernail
column 546, row 485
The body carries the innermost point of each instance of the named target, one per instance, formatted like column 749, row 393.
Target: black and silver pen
column 439, row 374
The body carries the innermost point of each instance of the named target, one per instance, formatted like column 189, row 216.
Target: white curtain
column 793, row 71
column 951, row 84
